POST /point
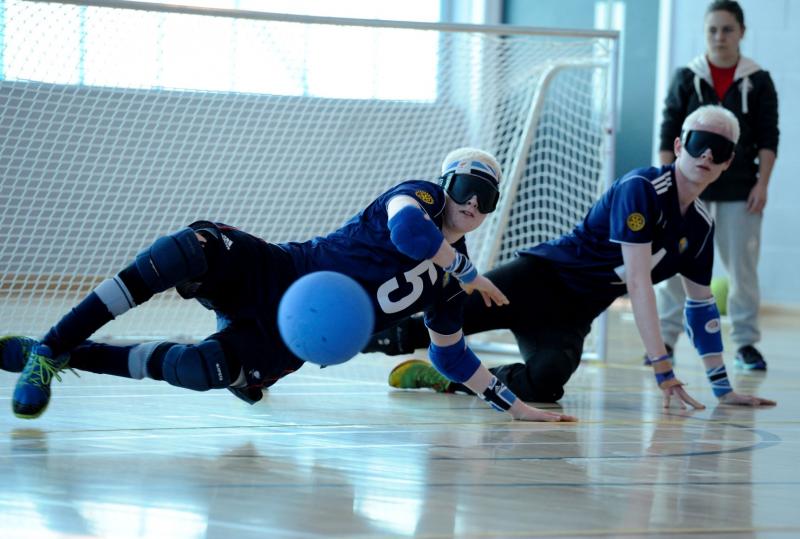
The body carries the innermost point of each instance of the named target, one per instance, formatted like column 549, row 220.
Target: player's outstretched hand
column 674, row 389
column 525, row 412
column 745, row 400
column 491, row 294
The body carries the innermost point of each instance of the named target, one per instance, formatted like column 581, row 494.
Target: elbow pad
column 413, row 234
column 457, row 362
column 703, row 325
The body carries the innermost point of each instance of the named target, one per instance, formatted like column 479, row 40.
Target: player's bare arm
column 637, row 258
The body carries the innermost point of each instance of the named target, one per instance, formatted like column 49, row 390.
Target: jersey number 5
column 412, row 276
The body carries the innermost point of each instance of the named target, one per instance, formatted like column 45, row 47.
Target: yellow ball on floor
column 719, row 287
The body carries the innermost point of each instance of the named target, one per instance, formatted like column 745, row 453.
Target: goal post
column 124, row 121
column 544, row 202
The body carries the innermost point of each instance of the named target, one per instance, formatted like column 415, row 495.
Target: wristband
column 720, row 384
column 662, row 377
column 498, row 396
column 462, row 269
column 659, row 358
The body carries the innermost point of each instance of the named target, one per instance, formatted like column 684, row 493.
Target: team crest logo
column 635, row 221
column 424, row 196
column 683, row 244
column 712, row 326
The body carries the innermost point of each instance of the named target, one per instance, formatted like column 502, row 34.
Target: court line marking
column 265, row 530
column 768, row 440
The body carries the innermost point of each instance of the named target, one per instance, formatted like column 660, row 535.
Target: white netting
column 116, row 132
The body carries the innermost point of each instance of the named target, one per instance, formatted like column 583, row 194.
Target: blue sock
column 77, row 325
column 101, row 358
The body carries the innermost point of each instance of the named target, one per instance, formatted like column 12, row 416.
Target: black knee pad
column 171, row 260
column 196, row 366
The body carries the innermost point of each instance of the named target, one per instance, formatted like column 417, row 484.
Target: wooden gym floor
column 337, row 453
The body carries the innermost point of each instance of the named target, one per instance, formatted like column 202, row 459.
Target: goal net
column 123, row 123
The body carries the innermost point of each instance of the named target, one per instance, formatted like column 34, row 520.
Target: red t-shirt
column 722, row 77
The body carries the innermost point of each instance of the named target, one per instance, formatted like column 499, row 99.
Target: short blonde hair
column 465, row 159
column 716, row 116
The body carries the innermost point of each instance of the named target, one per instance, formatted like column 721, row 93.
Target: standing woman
column 723, row 76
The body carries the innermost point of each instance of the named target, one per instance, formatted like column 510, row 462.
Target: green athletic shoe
column 415, row 373
column 32, row 392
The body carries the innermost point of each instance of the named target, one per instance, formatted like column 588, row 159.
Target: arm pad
column 413, row 234
column 457, row 362
column 703, row 325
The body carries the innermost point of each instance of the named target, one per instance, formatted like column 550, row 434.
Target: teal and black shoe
column 749, row 358
column 32, row 392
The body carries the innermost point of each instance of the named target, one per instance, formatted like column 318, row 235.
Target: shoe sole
column 31, row 416
column 751, row 366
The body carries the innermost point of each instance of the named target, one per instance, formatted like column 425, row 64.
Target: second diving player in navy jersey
column 648, row 226
column 406, row 249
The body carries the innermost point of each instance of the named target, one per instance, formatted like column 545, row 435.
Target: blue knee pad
column 196, row 366
column 703, row 325
column 413, row 234
column 172, row 259
column 457, row 362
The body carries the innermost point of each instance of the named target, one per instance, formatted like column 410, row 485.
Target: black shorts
column 549, row 320
column 538, row 299
column 244, row 284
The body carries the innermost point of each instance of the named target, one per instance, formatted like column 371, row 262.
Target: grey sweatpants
column 738, row 240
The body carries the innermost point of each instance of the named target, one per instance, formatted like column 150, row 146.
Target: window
column 67, row 44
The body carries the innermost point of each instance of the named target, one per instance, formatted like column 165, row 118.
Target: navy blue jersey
column 640, row 207
column 398, row 285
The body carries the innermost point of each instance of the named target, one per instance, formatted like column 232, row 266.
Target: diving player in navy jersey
column 406, row 249
column 648, row 226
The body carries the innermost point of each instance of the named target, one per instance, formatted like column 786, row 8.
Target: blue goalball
column 325, row 318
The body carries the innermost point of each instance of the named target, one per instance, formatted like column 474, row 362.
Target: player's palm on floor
column 679, row 394
column 523, row 412
column 745, row 400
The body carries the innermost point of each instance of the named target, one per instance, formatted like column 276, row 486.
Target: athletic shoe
column 749, row 358
column 415, row 373
column 670, row 353
column 32, row 392
column 13, row 352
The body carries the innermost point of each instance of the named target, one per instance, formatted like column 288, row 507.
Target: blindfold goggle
column 697, row 142
column 462, row 187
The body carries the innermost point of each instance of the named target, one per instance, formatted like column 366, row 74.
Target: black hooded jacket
column 751, row 97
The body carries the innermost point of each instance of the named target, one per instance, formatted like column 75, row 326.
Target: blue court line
column 402, row 484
